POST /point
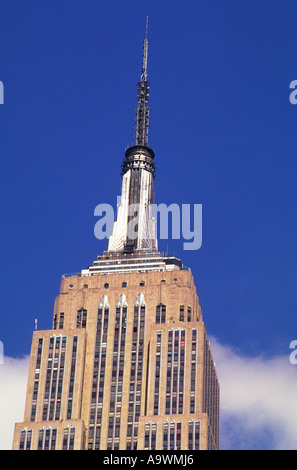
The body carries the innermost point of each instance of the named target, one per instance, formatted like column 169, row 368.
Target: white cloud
column 258, row 400
column 13, row 384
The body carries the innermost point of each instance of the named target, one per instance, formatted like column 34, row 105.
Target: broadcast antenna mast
column 142, row 116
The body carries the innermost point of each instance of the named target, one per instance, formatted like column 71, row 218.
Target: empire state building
column 127, row 364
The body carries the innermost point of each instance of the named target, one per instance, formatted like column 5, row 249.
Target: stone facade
column 73, row 360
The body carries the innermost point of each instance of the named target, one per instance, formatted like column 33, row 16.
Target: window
column 25, row 439
column 54, row 378
column 189, row 314
column 68, row 438
column 161, row 313
column 86, row 286
column 157, row 372
column 193, row 371
column 61, row 322
column 194, row 435
column 124, row 284
column 175, row 371
column 81, row 319
column 106, row 285
column 72, row 377
column 163, row 281
column 142, row 283
column 70, row 286
column 36, row 379
column 181, row 313
column 150, row 432
column 58, row 321
column 172, row 435
column 47, row 439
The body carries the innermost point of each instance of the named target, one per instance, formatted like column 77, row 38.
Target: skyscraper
column 127, row 363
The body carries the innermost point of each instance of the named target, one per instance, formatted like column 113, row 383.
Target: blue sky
column 224, row 135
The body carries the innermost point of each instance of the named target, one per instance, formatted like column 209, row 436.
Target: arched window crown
column 104, row 302
column 122, row 301
column 140, row 300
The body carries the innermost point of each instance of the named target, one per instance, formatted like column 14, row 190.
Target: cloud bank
column 258, row 399
column 13, row 384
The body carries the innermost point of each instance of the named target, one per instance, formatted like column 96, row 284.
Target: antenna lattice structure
column 142, row 116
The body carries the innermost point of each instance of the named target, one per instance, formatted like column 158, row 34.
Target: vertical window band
column 36, row 379
column 193, row 370
column 25, row 439
column 194, row 435
column 172, row 434
column 99, row 369
column 54, row 378
column 150, row 435
column 157, row 372
column 72, row 377
column 117, row 375
column 68, row 438
column 135, row 388
column 174, row 399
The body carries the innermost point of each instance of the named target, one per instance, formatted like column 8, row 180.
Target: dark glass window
column 36, row 379
column 157, row 372
column 189, row 314
column 81, row 319
column 61, row 322
column 181, row 313
column 161, row 313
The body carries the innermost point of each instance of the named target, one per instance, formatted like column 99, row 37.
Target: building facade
column 127, row 364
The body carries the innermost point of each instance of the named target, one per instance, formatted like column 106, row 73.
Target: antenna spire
column 142, row 117
column 144, row 56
